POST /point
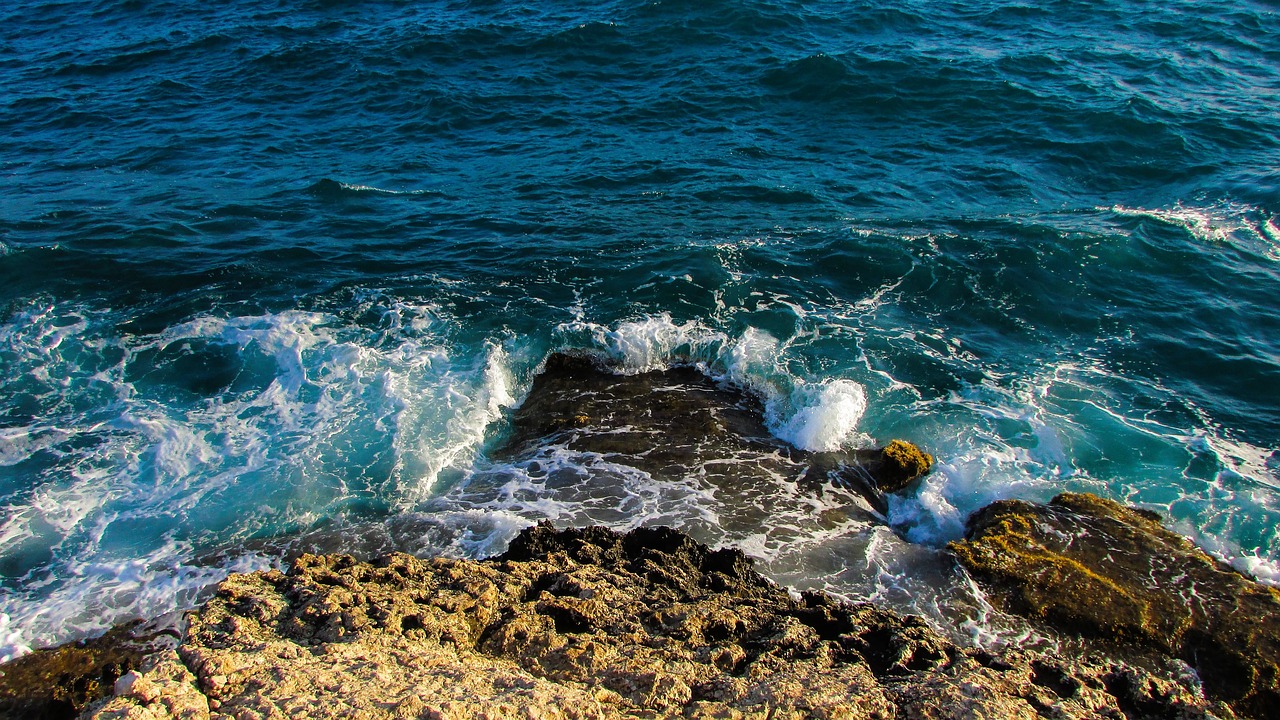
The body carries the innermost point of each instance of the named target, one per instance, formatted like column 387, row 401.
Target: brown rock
column 901, row 463
column 60, row 682
column 593, row 624
column 1093, row 567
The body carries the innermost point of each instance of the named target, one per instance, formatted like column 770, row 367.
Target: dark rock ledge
column 678, row 423
column 589, row 623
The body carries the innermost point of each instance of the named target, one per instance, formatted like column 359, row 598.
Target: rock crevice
column 590, row 623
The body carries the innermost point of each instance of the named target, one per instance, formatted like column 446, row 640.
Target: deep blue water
column 268, row 268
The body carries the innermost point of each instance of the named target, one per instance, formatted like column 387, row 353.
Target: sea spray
column 280, row 278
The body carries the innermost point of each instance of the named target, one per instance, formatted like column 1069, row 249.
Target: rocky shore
column 578, row 623
column 1094, row 568
column 589, row 623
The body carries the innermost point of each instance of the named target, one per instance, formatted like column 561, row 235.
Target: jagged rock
column 1093, row 567
column 590, row 623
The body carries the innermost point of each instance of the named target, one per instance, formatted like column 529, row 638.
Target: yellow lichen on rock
column 1091, row 566
column 901, row 463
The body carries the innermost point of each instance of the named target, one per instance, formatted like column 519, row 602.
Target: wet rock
column 60, row 682
column 900, row 464
column 1092, row 567
column 589, row 623
column 679, row 423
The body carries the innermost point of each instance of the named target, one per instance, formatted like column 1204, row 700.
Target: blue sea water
column 281, row 269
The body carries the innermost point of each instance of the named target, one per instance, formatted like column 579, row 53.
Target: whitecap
column 1241, row 226
column 826, row 415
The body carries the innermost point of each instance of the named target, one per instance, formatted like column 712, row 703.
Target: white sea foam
column 646, row 344
column 116, row 469
column 1073, row 426
column 322, row 412
column 1011, row 447
column 1241, row 226
column 826, row 416
column 1234, row 515
column 813, row 415
column 1264, row 570
column 12, row 642
column 575, row 489
column 1258, row 464
column 1203, row 223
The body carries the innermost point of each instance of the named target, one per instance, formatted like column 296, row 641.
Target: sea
column 275, row 274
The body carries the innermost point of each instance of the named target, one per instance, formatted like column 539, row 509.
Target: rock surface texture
column 1092, row 567
column 62, row 681
column 679, row 423
column 594, row 624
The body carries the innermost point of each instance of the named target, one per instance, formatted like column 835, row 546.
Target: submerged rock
column 1093, row 567
column 590, row 623
column 678, row 423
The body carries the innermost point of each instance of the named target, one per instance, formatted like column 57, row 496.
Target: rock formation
column 1092, row 567
column 594, row 624
column 679, row 423
column 590, row 623
column 60, row 682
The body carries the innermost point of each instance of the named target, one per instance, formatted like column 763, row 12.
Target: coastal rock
column 679, row 423
column 60, row 682
column 1092, row 567
column 589, row 623
column 161, row 688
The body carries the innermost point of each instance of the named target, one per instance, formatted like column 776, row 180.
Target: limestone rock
column 1093, row 567
column 162, row 689
column 589, row 623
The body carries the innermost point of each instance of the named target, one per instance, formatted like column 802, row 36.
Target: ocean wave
column 146, row 448
column 820, row 414
column 1079, row 425
column 1240, row 226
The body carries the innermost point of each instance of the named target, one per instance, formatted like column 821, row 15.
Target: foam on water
column 1076, row 425
column 319, row 417
column 576, row 489
column 1020, row 281
column 1241, row 226
column 143, row 450
column 827, row 415
column 818, row 414
column 220, row 429
column 1012, row 449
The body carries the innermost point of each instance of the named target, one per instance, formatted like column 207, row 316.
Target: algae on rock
column 1093, row 567
column 61, row 682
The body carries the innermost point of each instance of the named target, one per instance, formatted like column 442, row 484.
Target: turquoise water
column 280, row 270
